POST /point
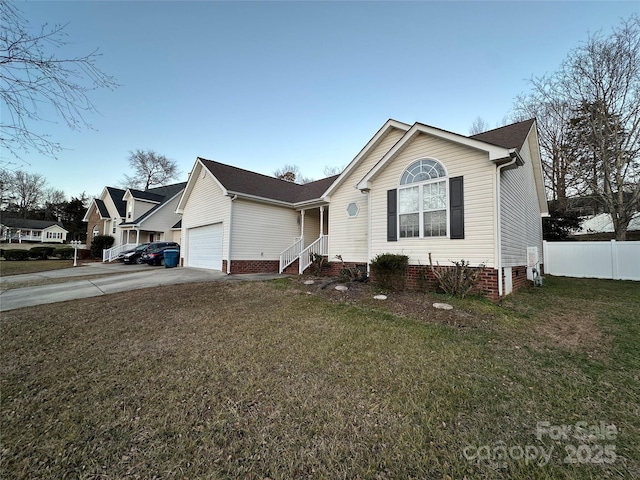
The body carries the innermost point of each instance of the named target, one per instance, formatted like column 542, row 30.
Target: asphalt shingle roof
column 238, row 180
column 26, row 223
column 102, row 208
column 116, row 195
column 509, row 136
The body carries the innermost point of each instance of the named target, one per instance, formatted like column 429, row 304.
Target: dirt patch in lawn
column 570, row 328
column 575, row 331
column 414, row 305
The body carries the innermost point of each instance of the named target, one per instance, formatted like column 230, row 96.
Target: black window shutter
column 392, row 215
column 456, row 207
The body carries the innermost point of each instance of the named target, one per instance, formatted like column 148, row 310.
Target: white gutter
column 229, row 234
column 515, row 158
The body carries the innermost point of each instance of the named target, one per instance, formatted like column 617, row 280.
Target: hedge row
column 43, row 253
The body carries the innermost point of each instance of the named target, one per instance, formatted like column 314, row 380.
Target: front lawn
column 31, row 266
column 279, row 380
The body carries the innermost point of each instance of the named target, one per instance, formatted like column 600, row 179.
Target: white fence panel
column 614, row 260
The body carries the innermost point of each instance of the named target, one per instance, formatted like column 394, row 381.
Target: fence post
column 614, row 260
column 544, row 257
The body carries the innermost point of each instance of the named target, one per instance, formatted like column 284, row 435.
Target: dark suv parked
column 154, row 253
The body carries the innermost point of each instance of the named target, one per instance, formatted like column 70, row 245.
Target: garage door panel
column 205, row 247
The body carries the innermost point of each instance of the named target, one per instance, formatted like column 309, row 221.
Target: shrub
column 389, row 271
column 16, row 254
column 41, row 253
column 99, row 243
column 64, row 253
column 317, row 263
column 458, row 279
column 351, row 273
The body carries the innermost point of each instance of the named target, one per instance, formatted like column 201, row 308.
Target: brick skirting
column 417, row 274
column 252, row 266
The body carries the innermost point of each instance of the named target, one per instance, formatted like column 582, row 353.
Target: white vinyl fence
column 614, row 260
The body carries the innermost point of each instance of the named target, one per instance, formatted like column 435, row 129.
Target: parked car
column 134, row 255
column 139, row 248
column 154, row 254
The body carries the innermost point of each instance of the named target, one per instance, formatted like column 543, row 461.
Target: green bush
column 41, row 253
column 64, row 253
column 99, row 243
column 16, row 254
column 389, row 271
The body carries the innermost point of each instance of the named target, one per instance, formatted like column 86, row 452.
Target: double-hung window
column 422, row 200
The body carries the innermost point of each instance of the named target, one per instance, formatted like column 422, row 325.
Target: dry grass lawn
column 279, row 380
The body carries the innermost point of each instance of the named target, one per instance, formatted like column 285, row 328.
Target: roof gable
column 388, row 126
column 496, row 153
column 160, row 195
column 117, row 195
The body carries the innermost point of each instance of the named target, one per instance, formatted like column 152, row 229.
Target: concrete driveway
column 121, row 278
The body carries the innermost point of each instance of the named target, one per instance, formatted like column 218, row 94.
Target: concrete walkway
column 119, row 280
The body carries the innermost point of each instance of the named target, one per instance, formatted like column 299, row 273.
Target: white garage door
column 204, row 247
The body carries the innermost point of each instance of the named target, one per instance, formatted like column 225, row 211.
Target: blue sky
column 262, row 84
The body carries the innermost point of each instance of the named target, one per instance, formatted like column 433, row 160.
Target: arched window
column 96, row 231
column 422, row 200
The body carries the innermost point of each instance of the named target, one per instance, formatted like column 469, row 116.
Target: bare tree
column 150, row 170
column 331, row 171
column 27, row 189
column 32, row 76
column 291, row 173
column 595, row 96
column 479, row 125
column 602, row 80
column 553, row 114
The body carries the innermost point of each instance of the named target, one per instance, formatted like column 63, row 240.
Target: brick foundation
column 519, row 277
column 487, row 281
column 252, row 266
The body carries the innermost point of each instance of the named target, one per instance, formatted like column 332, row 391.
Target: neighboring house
column 18, row 230
column 603, row 224
column 412, row 189
column 134, row 216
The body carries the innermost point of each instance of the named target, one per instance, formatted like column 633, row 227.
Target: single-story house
column 412, row 189
column 135, row 216
column 18, row 230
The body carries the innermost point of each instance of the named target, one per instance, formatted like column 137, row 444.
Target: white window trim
column 357, row 209
column 421, row 210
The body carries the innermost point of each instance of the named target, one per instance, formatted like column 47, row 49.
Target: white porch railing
column 290, row 254
column 110, row 254
column 320, row 246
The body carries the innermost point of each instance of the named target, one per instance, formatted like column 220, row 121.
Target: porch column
column 137, row 236
column 321, row 220
column 302, row 224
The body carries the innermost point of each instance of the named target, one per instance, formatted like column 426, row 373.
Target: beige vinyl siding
column 207, row 204
column 348, row 237
column 141, row 207
column 312, row 225
column 261, row 231
column 163, row 219
column 521, row 225
column 108, row 224
column 478, row 172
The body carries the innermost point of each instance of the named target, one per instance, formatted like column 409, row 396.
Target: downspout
column 499, row 225
column 229, row 236
column 368, row 194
